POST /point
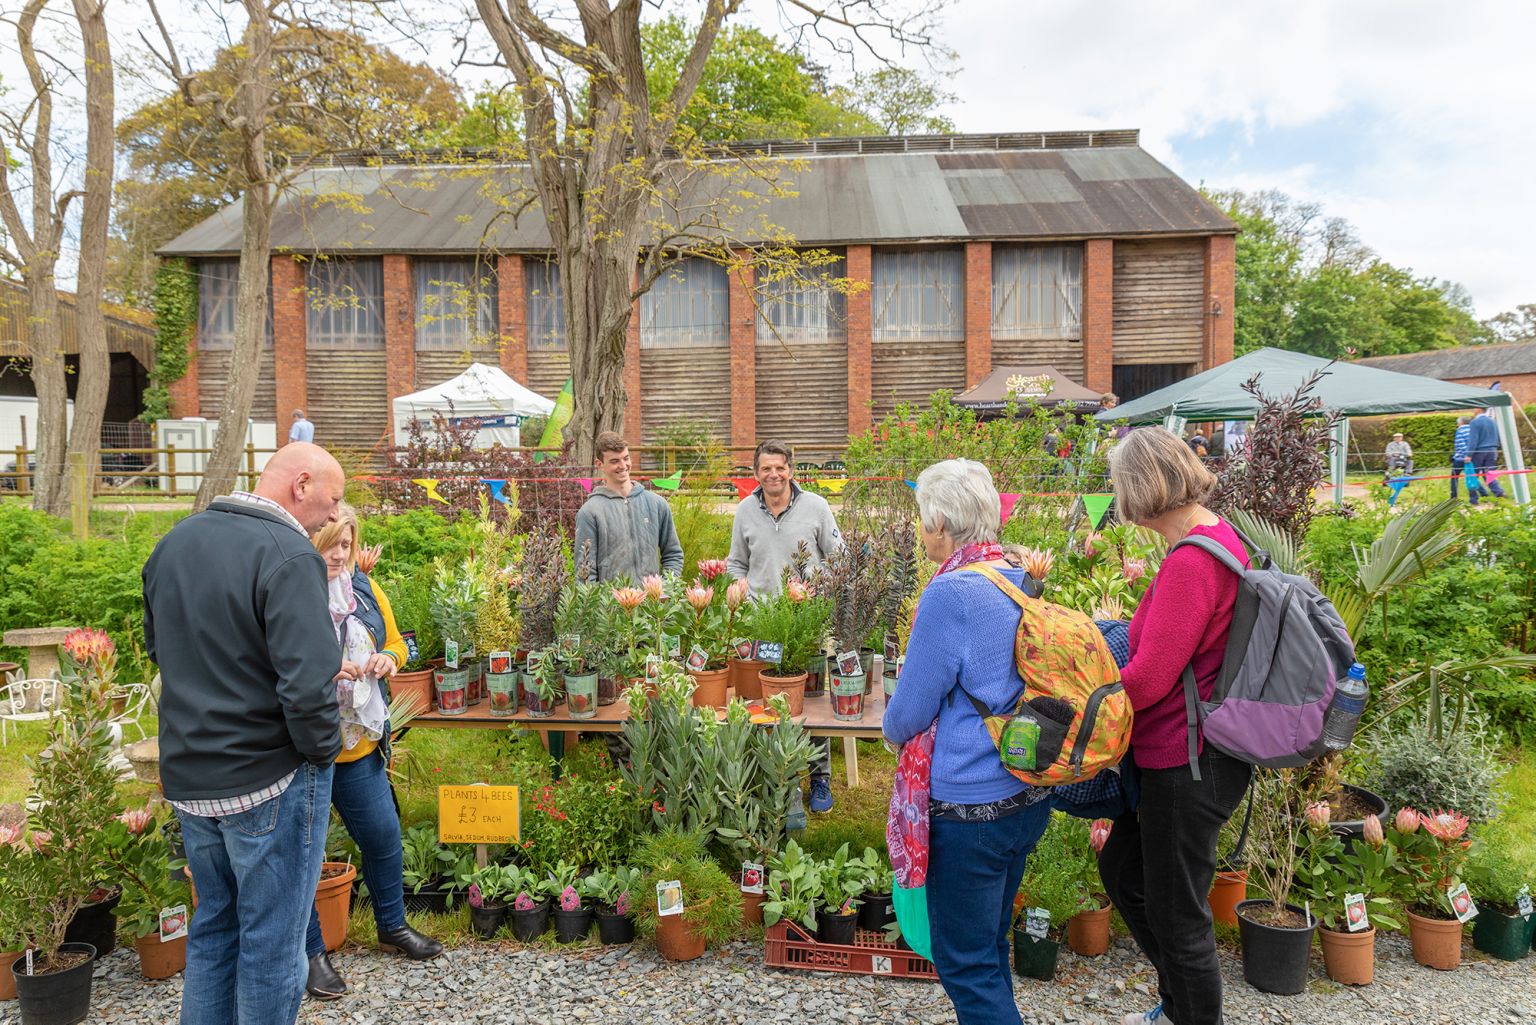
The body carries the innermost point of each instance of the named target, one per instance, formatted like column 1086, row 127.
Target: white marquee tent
column 482, row 394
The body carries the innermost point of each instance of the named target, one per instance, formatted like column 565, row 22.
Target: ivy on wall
column 175, row 306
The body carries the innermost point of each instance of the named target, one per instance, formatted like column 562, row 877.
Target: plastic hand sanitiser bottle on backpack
column 1344, row 711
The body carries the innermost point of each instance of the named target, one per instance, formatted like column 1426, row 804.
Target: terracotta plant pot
column 417, row 685
column 1436, row 941
column 1350, row 957
column 709, row 687
column 792, row 687
column 752, row 908
column 1088, row 933
column 160, row 960
column 333, row 901
column 1228, row 891
column 7, row 980
column 676, row 940
column 744, row 678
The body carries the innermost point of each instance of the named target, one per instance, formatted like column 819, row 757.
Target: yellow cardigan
column 394, row 647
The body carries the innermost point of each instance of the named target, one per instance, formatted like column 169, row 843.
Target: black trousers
column 1157, row 868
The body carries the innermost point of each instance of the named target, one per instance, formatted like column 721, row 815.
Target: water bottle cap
column 1357, row 671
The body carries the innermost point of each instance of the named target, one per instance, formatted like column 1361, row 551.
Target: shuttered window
column 1037, row 291
column 455, row 304
column 803, row 312
column 546, row 305
column 218, row 285
column 346, row 303
column 687, row 306
column 918, row 295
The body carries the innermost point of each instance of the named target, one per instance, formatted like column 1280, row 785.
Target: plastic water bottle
column 795, row 823
column 1344, row 711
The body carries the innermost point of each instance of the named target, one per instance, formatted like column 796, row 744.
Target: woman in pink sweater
column 1159, row 861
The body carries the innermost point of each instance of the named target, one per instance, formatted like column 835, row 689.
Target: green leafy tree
column 902, row 101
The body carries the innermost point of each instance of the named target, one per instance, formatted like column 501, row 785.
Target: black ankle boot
column 324, row 983
column 409, row 942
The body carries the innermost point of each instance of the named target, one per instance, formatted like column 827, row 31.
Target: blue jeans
column 256, row 874
column 1486, row 460
column 366, row 803
column 974, row 870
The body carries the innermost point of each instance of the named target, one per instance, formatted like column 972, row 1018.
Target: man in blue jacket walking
column 1483, row 441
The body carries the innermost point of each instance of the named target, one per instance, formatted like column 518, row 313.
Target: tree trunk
column 598, row 309
column 50, row 489
column 91, row 324
column 253, row 99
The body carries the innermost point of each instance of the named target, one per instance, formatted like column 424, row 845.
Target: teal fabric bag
column 911, row 908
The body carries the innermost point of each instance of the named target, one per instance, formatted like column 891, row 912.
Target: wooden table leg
column 851, row 759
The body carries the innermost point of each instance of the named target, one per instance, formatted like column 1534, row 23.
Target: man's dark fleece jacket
column 235, row 616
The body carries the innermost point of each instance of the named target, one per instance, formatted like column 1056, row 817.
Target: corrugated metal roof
column 1466, row 361
column 887, row 190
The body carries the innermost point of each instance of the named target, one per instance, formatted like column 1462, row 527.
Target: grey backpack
column 1285, row 654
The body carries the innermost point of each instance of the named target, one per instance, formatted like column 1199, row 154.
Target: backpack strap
column 1192, row 719
column 1215, row 549
column 1020, row 597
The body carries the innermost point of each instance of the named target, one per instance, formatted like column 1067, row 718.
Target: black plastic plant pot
column 486, row 920
column 1353, row 831
column 56, row 998
column 529, row 925
column 431, row 899
column 1505, row 936
column 614, row 928
column 1274, row 957
column 95, row 924
column 571, row 926
column 1034, row 958
column 876, row 912
column 835, row 928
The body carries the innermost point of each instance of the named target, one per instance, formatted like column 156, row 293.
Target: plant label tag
column 1037, row 923
column 501, row 661
column 1354, row 912
column 671, row 645
column 652, row 666
column 769, row 651
column 698, row 658
column 535, row 659
column 848, row 664
column 1523, row 903
column 412, row 652
column 901, row 660
column 173, row 923
column 669, row 898
column 751, row 877
column 451, row 653
column 890, row 647
column 743, row 649
column 1461, row 902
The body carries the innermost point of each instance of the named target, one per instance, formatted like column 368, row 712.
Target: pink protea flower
column 1318, row 814
column 1406, row 821
column 523, row 902
column 699, row 596
column 1109, row 608
column 736, row 594
column 1098, row 833
column 10, row 834
column 41, row 838
column 569, row 901
column 1444, row 825
column 475, row 899
column 621, row 906
column 654, row 587
column 1133, row 569
column 709, row 569
column 796, row 591
column 136, row 819
column 1373, row 831
column 368, row 556
column 86, row 644
column 1092, row 543
column 629, row 598
column 1037, row 562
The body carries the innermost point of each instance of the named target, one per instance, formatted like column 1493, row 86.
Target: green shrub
column 1409, row 769
column 1495, row 873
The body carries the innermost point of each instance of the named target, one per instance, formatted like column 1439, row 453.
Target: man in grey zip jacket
column 624, row 530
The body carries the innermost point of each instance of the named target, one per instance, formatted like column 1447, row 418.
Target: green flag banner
column 554, row 427
column 1096, row 506
column 671, row 483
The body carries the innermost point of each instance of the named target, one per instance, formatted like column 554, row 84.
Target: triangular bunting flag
column 586, row 484
column 497, row 488
column 431, row 486
column 833, row 484
column 671, row 483
column 1009, row 501
column 744, row 485
column 1397, row 484
column 912, row 484
column 1096, row 506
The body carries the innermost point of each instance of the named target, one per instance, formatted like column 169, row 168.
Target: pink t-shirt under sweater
column 1184, row 620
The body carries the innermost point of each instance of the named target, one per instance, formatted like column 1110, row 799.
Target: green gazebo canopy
column 1349, row 388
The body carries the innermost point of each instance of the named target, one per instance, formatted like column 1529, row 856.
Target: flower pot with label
column 573, row 925
column 1502, row 932
column 502, row 688
column 816, row 676
column 677, row 940
column 56, row 992
column 1275, row 946
column 160, row 960
column 333, row 902
column 876, row 911
column 452, row 686
column 848, row 696
column 1034, row 957
column 709, row 687
column 744, row 678
column 792, row 687
column 486, row 919
column 1349, row 957
column 1088, row 932
column 581, row 695
column 836, row 926
column 1436, row 941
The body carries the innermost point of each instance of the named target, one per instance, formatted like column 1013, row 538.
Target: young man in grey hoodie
column 624, row 530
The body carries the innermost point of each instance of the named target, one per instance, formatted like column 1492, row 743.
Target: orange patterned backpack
column 1073, row 718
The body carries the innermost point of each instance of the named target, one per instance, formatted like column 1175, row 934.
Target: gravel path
column 500, row 986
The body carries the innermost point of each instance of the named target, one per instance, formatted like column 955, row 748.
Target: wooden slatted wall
column 1065, row 354
column 213, row 378
column 802, row 394
column 434, row 366
column 1159, row 314
column 348, row 399
column 913, row 371
column 548, row 370
column 678, row 381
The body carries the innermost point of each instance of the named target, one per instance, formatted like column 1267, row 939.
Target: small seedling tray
column 869, row 954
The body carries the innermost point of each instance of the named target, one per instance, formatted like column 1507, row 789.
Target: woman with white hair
column 982, row 820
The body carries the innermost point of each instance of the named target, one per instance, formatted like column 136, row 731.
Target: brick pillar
column 1220, row 296
column 512, row 316
column 743, row 321
column 978, row 311
column 1099, row 314
column 184, row 398
column 399, row 333
column 290, row 312
column 634, row 421
column 860, row 348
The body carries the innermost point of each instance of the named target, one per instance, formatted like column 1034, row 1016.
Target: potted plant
column 580, row 620
column 425, row 866
column 456, row 596
column 1088, row 927
column 842, row 884
column 496, row 635
column 573, row 914
column 610, row 893
column 705, row 642
column 795, row 620
column 703, row 905
column 529, row 914
column 538, row 589
column 411, row 601
column 14, row 940
column 1049, row 898
column 875, row 910
column 1275, row 934
column 1348, row 886
column 624, row 661
column 794, row 886
column 543, row 683
column 154, row 903
column 488, row 890
column 1432, row 850
column 741, row 628
column 1501, row 884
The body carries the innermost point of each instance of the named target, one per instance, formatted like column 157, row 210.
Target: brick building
column 1076, row 249
column 1512, row 367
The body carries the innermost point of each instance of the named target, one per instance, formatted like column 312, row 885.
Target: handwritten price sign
column 477, row 814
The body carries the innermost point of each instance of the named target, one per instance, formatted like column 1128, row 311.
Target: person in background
column 235, row 616
column 983, row 820
column 1399, row 455
column 1461, row 458
column 302, row 429
column 624, row 531
column 1159, row 861
column 770, row 526
column 1483, row 442
column 373, row 648
column 1199, row 444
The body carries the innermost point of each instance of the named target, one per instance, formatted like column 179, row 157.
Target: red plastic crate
column 869, row 955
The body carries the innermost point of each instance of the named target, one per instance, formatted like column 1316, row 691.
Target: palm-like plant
column 1283, row 551
column 1410, row 546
